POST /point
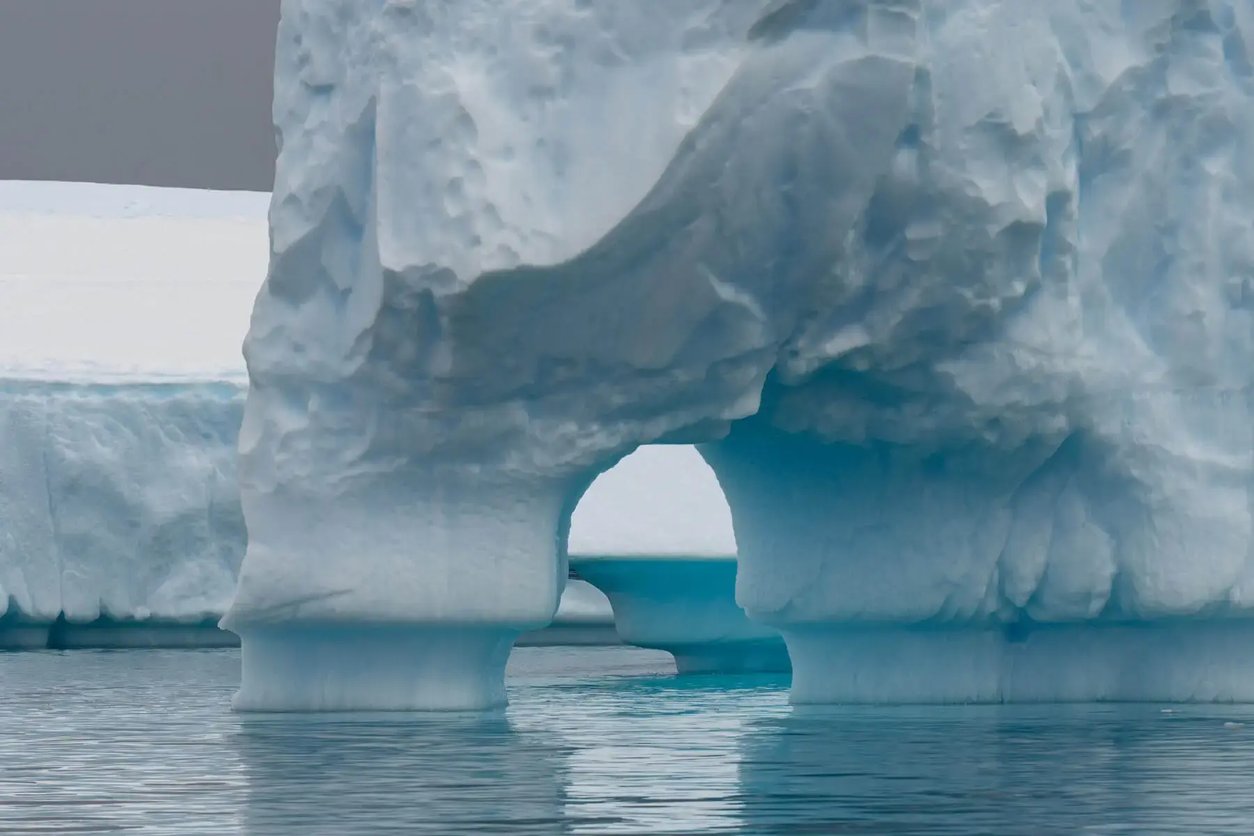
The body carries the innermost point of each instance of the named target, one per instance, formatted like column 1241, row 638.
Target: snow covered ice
column 957, row 295
column 102, row 282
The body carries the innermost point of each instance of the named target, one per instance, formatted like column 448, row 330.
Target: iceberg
column 957, row 297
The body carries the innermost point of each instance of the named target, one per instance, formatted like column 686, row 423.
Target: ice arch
column 957, row 294
column 654, row 533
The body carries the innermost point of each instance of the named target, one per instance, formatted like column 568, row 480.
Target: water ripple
column 602, row 740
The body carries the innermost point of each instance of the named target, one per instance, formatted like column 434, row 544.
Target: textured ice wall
column 1033, row 384
column 980, row 271
column 118, row 501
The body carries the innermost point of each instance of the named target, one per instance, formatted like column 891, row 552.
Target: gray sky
column 160, row 92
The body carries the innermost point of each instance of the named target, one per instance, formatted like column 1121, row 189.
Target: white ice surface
column 101, row 282
column 113, row 201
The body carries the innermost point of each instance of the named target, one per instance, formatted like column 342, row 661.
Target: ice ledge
column 687, row 607
column 1165, row 661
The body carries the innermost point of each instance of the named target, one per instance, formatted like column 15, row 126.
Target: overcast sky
column 160, row 92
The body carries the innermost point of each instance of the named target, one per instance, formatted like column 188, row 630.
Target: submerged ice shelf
column 685, row 605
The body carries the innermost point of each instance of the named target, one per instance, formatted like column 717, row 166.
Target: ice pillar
column 403, row 592
column 970, row 574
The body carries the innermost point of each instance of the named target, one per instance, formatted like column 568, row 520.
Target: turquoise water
column 597, row 740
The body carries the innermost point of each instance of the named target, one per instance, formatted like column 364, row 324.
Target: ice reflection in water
column 338, row 775
column 594, row 741
column 662, row 754
column 1028, row 769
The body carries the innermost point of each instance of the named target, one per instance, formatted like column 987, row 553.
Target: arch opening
column 654, row 534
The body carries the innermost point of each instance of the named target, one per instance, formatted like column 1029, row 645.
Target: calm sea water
column 597, row 740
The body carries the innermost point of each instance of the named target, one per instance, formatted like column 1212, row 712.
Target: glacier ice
column 957, row 294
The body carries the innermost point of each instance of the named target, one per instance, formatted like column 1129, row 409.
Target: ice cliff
column 118, row 501
column 959, row 294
